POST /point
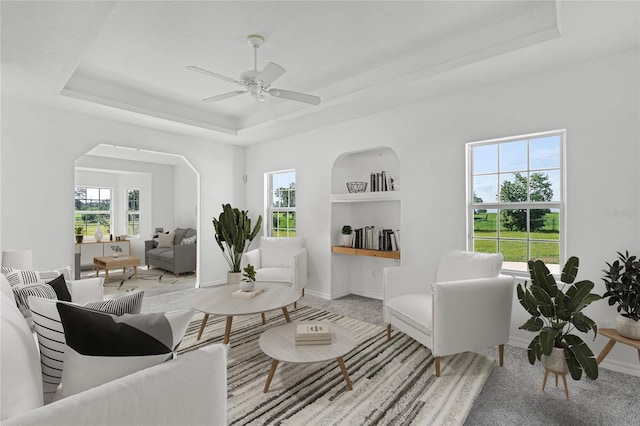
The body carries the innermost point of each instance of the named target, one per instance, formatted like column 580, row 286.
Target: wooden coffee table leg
column 264, row 320
column 274, row 365
column 286, row 314
column 204, row 322
column 227, row 330
column 135, row 271
column 345, row 373
column 106, row 274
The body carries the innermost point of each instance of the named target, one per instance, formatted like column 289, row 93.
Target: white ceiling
column 126, row 60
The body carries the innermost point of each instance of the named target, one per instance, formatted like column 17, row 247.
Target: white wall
column 185, row 193
column 40, row 146
column 596, row 101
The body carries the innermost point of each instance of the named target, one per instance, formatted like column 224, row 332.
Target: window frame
column 128, row 212
column 270, row 209
column 528, row 205
column 95, row 212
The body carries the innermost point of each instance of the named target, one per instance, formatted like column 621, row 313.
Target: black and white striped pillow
column 51, row 336
column 39, row 290
column 130, row 303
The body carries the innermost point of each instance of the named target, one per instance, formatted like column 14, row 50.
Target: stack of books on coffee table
column 313, row 334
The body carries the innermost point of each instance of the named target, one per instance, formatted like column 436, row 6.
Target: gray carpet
column 513, row 394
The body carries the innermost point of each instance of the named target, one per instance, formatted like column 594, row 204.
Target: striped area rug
column 393, row 381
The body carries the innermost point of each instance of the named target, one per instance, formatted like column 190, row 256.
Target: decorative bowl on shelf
column 357, row 186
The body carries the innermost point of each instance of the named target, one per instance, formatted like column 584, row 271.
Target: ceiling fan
column 255, row 82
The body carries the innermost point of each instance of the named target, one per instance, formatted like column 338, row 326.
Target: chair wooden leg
column 437, row 366
column 501, row 351
column 388, row 331
column 264, row 321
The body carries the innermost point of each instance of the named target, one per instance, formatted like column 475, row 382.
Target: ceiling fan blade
column 295, row 96
column 270, row 73
column 224, row 96
column 213, row 74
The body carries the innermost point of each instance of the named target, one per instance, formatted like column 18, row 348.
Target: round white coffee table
column 219, row 301
column 279, row 344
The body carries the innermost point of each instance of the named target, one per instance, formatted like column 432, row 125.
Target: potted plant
column 346, row 235
column 233, row 235
column 249, row 278
column 623, row 287
column 555, row 313
column 79, row 234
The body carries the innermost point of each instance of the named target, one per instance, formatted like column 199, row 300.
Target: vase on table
column 98, row 234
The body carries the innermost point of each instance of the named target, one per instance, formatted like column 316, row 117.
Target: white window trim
column 97, row 212
column 127, row 212
column 560, row 205
column 269, row 202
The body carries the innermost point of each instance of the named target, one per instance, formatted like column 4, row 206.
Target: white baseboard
column 368, row 294
column 621, row 367
column 211, row 283
column 319, row 294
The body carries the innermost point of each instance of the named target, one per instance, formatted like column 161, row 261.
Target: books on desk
column 313, row 334
column 247, row 294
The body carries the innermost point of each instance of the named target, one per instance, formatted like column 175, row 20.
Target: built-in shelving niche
column 360, row 271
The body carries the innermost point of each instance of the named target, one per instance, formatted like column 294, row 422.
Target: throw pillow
column 39, row 290
column 103, row 347
column 60, row 287
column 179, row 234
column 51, row 337
column 25, row 277
column 19, row 369
column 165, row 240
column 188, row 241
column 128, row 304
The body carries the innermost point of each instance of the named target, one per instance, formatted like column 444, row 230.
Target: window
column 93, row 206
column 281, row 192
column 133, row 211
column 516, row 199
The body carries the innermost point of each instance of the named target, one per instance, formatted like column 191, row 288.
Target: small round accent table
column 220, row 301
column 279, row 344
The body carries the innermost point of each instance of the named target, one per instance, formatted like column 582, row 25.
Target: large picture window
column 133, row 211
column 516, row 199
column 93, row 207
column 281, row 195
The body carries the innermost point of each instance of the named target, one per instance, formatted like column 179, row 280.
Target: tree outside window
column 282, row 203
column 516, row 200
column 133, row 211
column 93, row 207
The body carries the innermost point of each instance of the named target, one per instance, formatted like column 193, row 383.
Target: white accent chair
column 279, row 260
column 461, row 304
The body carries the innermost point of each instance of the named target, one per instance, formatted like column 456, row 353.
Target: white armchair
column 461, row 304
column 282, row 260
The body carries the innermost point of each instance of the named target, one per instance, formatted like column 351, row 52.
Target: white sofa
column 188, row 390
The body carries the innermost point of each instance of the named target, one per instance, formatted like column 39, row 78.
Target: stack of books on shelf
column 372, row 238
column 313, row 334
column 381, row 181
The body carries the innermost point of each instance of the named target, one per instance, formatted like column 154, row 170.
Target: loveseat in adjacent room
column 175, row 252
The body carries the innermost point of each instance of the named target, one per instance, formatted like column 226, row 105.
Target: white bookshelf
column 359, row 271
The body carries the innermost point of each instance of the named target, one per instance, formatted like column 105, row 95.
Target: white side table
column 279, row 344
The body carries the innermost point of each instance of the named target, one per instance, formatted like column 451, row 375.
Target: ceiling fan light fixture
column 255, row 40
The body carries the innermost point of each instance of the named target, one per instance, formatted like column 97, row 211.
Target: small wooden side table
column 614, row 337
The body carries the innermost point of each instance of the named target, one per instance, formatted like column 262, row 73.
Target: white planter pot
column 247, row 285
column 556, row 362
column 234, row 278
column 627, row 327
column 346, row 240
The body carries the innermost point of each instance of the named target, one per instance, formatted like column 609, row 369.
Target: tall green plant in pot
column 556, row 313
column 234, row 235
column 622, row 280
